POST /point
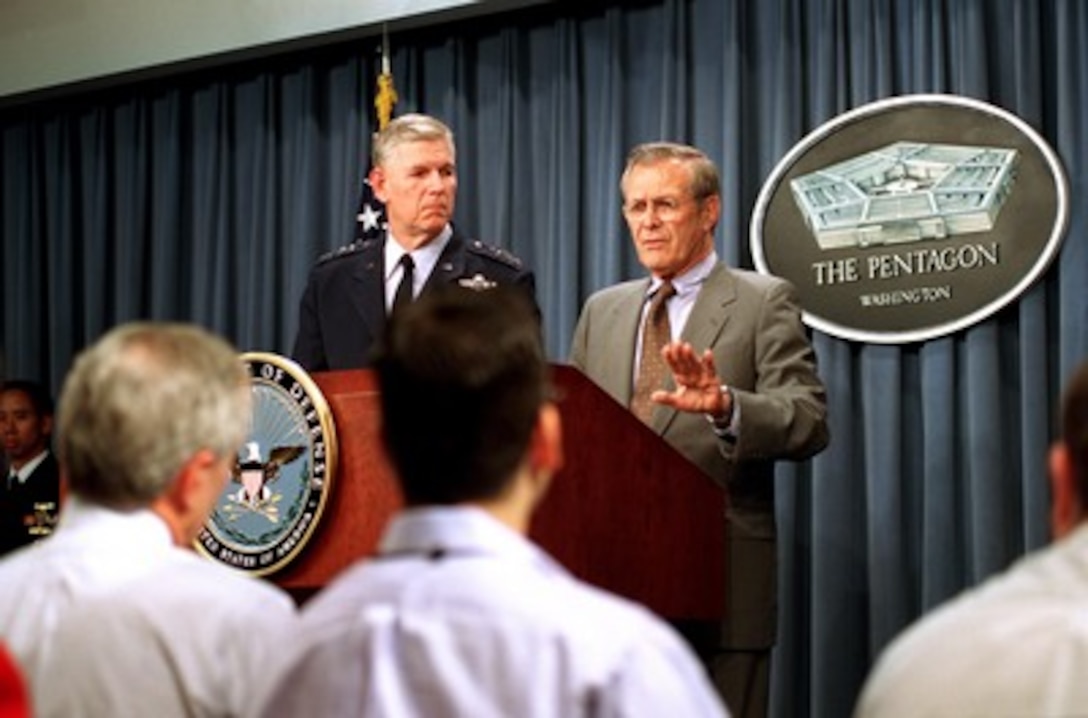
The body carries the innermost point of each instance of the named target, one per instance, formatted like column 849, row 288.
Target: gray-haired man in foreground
column 115, row 614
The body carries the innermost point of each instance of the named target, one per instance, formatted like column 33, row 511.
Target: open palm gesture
column 698, row 386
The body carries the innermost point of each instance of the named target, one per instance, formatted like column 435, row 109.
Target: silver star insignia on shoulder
column 477, row 283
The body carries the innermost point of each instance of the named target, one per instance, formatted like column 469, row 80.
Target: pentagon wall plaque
column 912, row 217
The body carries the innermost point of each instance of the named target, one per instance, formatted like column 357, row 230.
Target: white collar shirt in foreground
column 108, row 617
column 460, row 616
column 1015, row 646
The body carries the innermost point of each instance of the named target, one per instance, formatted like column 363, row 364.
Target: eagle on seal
column 255, row 475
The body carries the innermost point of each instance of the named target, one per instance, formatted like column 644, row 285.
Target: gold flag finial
column 386, row 98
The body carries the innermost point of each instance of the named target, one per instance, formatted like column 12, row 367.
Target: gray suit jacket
column 752, row 323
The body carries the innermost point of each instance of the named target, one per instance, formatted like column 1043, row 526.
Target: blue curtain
column 207, row 196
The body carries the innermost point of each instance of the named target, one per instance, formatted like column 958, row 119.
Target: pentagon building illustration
column 906, row 192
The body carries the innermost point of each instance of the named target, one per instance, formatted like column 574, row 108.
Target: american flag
column 370, row 218
column 370, row 221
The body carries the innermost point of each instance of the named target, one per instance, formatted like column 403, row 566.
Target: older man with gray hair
column 352, row 290
column 115, row 614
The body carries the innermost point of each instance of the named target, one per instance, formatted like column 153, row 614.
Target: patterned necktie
column 652, row 369
column 404, row 289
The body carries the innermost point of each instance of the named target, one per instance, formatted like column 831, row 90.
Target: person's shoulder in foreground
column 499, row 630
column 1018, row 644
column 189, row 638
column 459, row 613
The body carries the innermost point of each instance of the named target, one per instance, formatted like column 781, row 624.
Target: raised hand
column 698, row 386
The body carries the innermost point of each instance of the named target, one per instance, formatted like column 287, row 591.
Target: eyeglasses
column 664, row 207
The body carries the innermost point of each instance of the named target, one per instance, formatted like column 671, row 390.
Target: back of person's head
column 140, row 402
column 409, row 128
column 463, row 377
column 39, row 396
column 1074, row 428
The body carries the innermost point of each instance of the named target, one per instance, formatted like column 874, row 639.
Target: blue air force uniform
column 343, row 312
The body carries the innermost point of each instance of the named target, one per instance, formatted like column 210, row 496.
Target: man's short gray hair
column 141, row 402
column 409, row 128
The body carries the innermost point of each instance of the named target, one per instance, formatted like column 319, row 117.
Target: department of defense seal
column 281, row 478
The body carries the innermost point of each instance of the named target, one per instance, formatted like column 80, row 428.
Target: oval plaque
column 282, row 477
column 912, row 217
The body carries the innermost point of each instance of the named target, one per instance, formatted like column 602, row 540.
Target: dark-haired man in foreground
column 459, row 614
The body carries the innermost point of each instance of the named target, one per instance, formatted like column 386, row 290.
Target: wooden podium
column 627, row 512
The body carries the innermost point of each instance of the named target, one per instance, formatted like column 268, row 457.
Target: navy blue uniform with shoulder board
column 342, row 312
column 29, row 510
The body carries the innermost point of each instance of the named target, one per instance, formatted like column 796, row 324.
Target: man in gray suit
column 732, row 386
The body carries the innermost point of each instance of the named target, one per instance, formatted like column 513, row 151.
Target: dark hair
column 39, row 397
column 462, row 375
column 1074, row 422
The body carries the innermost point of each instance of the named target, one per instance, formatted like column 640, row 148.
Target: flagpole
column 370, row 219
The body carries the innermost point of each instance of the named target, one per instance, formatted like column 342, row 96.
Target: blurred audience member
column 30, row 498
column 115, row 615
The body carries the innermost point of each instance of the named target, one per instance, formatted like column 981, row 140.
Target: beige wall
column 47, row 44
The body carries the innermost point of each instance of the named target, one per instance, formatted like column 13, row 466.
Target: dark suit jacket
column 28, row 511
column 752, row 323
column 342, row 312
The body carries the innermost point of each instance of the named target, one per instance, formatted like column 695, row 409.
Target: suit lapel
column 369, row 297
column 711, row 311
column 621, row 322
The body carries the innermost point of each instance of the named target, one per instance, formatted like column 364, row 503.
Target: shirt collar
column 23, row 473
column 459, row 530
column 87, row 524
column 690, row 280
column 425, row 257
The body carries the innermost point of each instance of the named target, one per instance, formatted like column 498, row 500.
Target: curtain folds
column 207, row 197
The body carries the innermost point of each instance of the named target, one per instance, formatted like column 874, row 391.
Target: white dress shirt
column 461, row 616
column 108, row 617
column 1015, row 646
column 425, row 259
